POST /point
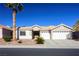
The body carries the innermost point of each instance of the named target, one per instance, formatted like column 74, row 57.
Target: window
column 22, row 33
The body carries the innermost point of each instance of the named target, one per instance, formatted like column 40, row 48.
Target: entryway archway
column 35, row 33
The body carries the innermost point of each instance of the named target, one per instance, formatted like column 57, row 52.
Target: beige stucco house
column 60, row 32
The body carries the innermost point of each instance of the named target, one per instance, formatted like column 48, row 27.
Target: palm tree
column 15, row 7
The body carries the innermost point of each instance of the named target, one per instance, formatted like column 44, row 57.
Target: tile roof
column 55, row 28
column 5, row 27
column 36, row 27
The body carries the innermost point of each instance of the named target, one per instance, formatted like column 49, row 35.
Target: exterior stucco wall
column 1, row 33
column 27, row 36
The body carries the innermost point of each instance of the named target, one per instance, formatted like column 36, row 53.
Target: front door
column 35, row 33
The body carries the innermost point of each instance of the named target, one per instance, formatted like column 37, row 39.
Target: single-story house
column 5, row 31
column 60, row 32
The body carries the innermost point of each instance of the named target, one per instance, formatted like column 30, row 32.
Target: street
column 38, row 52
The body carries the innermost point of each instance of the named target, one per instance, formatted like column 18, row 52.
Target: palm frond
column 9, row 5
column 20, row 7
column 16, row 6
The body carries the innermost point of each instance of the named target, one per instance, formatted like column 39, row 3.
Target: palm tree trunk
column 14, row 25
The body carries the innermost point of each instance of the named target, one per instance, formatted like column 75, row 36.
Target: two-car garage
column 61, row 32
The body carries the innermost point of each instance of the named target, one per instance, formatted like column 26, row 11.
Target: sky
column 43, row 14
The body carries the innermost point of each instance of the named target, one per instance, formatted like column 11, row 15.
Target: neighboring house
column 5, row 31
column 47, row 32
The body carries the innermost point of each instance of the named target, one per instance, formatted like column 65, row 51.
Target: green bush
column 39, row 40
column 7, row 38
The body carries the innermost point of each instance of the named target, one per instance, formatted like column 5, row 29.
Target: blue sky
column 42, row 14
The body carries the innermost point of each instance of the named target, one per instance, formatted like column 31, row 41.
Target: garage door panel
column 60, row 35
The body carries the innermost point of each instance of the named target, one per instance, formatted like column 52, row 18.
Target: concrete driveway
column 62, row 43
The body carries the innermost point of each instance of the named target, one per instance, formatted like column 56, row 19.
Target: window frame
column 22, row 33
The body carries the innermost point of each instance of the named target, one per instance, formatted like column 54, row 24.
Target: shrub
column 7, row 38
column 19, row 41
column 39, row 40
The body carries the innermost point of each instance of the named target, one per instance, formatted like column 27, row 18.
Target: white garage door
column 60, row 35
column 45, row 34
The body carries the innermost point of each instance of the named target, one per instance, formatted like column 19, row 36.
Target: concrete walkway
column 48, row 44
